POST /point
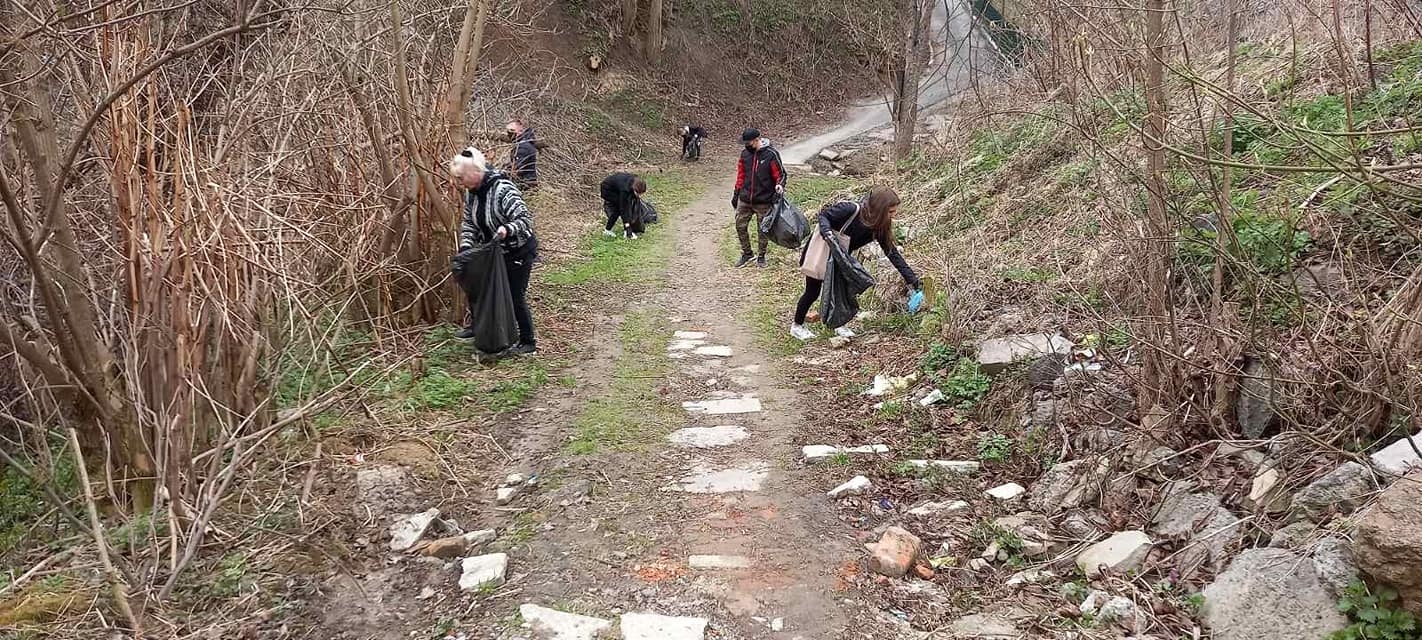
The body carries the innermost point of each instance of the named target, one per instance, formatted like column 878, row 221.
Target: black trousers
column 520, row 270
column 808, row 298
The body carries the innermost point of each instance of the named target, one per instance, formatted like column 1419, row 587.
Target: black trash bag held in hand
column 647, row 212
column 481, row 272
column 845, row 279
column 785, row 225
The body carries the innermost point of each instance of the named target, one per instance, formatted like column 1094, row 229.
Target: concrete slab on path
column 714, row 350
column 558, row 625
column 708, row 437
column 724, row 406
column 747, row 476
column 650, row 626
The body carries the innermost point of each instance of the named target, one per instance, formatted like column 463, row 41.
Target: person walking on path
column 523, row 160
column 621, row 197
column 760, row 182
column 869, row 219
column 494, row 210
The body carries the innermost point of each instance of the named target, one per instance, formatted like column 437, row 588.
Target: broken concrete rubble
column 1122, row 552
column 895, row 553
column 1269, row 594
column 1341, row 491
column 1069, row 485
column 408, row 530
column 996, row 354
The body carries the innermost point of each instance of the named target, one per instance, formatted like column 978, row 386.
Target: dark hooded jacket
column 523, row 160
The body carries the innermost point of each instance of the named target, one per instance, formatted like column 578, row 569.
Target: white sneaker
column 632, row 236
column 799, row 332
column 609, row 233
column 844, row 332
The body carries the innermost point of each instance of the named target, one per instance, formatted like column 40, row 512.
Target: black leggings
column 519, row 273
column 811, row 294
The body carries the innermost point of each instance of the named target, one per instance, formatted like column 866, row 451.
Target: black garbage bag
column 647, row 212
column 785, row 225
column 481, row 273
column 845, row 279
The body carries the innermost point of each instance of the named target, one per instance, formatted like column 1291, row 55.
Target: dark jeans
column 811, row 294
column 520, row 269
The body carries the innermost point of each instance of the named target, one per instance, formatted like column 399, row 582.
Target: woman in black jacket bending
column 869, row 219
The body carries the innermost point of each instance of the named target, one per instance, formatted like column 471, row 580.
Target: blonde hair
column 470, row 159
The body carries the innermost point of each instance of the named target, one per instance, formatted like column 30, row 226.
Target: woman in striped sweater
column 494, row 210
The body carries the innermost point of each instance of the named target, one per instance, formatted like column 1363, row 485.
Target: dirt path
column 657, row 517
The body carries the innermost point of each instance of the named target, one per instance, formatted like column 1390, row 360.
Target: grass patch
column 633, row 412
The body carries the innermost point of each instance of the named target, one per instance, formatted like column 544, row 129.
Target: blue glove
column 915, row 301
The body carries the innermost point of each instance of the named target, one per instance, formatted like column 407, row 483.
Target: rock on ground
column 1255, row 407
column 1124, row 551
column 551, row 624
column 408, row 530
column 1343, row 490
column 895, row 553
column 1069, row 485
column 982, row 626
column 1333, row 559
column 1399, row 458
column 935, row 508
column 455, row 546
column 1292, row 536
column 1009, row 491
column 1270, row 594
column 996, row 354
column 1210, row 529
column 1388, row 540
column 650, row 626
column 483, row 571
column 855, row 486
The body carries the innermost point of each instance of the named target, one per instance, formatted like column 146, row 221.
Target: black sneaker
column 465, row 333
column 760, row 262
column 521, row 350
column 745, row 260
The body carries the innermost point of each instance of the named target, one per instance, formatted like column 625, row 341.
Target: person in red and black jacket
column 760, row 182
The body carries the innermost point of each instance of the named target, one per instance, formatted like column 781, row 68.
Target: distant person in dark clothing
column 870, row 219
column 760, row 182
column 621, row 195
column 523, row 160
column 494, row 210
column 690, row 133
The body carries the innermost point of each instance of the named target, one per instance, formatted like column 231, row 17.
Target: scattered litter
column 885, row 384
column 1008, row 491
column 817, row 452
column 933, row 397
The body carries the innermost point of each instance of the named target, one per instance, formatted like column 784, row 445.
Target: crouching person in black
column 621, row 195
column 494, row 210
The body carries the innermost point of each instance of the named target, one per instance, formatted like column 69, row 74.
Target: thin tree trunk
column 654, row 31
column 1155, row 249
column 917, row 14
column 629, row 18
column 461, row 73
column 1224, row 236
